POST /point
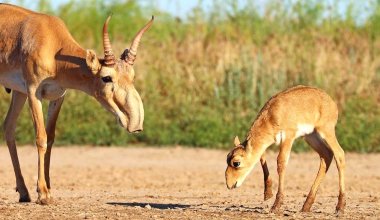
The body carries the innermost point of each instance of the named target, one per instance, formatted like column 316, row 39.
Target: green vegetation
column 204, row 78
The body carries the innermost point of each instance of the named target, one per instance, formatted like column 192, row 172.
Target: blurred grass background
column 204, row 76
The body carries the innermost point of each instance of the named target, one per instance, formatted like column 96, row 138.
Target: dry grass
column 204, row 79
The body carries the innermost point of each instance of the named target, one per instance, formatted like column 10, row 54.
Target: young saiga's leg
column 267, row 180
column 328, row 135
column 315, row 141
column 282, row 161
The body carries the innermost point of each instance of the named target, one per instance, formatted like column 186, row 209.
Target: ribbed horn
column 109, row 58
column 132, row 52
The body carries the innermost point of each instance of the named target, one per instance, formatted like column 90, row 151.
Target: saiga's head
column 113, row 86
column 239, row 165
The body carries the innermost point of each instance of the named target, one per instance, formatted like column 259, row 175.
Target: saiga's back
column 25, row 34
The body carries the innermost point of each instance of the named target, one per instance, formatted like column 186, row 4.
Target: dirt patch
column 179, row 183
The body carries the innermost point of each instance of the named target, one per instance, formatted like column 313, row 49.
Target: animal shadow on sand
column 152, row 205
column 200, row 207
column 243, row 208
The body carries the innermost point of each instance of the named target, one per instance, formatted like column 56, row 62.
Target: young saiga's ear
column 237, row 141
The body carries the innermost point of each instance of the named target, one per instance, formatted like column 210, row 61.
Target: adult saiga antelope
column 39, row 59
column 298, row 111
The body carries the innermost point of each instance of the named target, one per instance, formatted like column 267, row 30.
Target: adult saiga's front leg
column 35, row 104
column 53, row 112
column 18, row 101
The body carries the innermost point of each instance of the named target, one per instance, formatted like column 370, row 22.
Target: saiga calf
column 298, row 111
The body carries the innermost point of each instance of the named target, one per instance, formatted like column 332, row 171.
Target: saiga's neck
column 258, row 139
column 72, row 71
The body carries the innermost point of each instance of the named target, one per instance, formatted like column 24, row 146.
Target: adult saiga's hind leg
column 53, row 111
column 18, row 101
column 325, row 154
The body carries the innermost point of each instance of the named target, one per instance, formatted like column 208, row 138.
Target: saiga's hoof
column 268, row 194
column 44, row 201
column 25, row 198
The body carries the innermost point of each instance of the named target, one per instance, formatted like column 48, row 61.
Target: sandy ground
column 179, row 183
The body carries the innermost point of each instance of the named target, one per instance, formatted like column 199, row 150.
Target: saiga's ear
column 237, row 141
column 92, row 61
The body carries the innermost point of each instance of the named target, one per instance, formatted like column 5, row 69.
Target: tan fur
column 298, row 111
column 39, row 59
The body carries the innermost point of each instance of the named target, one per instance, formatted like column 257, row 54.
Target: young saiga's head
column 239, row 165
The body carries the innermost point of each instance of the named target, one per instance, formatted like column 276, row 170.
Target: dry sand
column 180, row 183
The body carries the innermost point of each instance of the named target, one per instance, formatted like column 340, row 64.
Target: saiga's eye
column 236, row 164
column 107, row 79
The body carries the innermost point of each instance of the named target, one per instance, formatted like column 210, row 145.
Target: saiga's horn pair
column 129, row 56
